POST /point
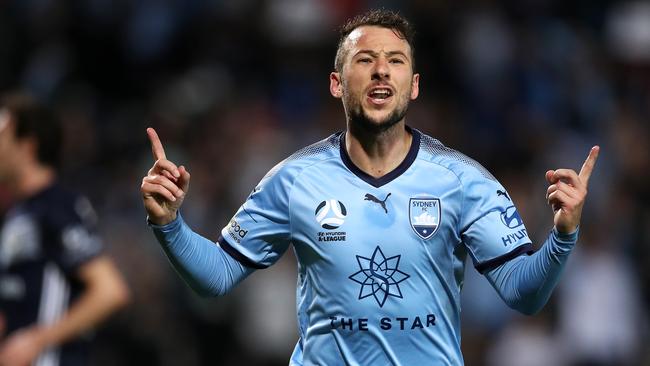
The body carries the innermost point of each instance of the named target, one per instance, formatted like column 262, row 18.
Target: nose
column 381, row 70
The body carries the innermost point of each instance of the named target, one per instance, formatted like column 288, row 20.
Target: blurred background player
column 55, row 283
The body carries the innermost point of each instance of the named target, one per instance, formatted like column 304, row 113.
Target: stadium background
column 235, row 86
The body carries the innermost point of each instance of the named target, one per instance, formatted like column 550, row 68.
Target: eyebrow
column 376, row 54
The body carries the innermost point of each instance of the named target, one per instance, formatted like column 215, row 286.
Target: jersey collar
column 390, row 176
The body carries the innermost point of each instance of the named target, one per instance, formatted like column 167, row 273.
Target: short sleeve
column 491, row 226
column 73, row 224
column 259, row 233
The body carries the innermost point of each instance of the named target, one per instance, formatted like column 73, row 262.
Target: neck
column 32, row 179
column 378, row 153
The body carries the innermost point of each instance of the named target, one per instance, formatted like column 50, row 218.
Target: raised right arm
column 203, row 265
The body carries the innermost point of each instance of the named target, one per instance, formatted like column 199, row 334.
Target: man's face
column 377, row 80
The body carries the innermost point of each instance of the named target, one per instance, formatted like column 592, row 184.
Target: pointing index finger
column 588, row 166
column 156, row 146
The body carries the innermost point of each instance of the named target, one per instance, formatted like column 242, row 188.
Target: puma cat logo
column 372, row 198
column 503, row 193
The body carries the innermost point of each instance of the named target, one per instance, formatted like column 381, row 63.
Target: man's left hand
column 567, row 193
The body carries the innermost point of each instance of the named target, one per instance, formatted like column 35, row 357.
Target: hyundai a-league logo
column 379, row 276
column 330, row 214
column 424, row 216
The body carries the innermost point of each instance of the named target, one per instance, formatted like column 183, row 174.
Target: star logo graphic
column 379, row 276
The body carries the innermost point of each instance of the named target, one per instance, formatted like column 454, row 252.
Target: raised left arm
column 526, row 282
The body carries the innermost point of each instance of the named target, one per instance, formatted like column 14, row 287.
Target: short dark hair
column 380, row 18
column 33, row 119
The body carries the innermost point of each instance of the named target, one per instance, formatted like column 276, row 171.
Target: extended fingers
column 588, row 166
column 162, row 165
column 156, row 146
column 573, row 178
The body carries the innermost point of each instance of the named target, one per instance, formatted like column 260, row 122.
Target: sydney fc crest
column 424, row 216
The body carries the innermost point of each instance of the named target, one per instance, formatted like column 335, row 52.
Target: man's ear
column 336, row 85
column 415, row 86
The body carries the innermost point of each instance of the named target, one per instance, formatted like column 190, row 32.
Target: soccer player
column 381, row 218
column 55, row 283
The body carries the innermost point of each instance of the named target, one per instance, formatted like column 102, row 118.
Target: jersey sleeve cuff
column 168, row 227
column 566, row 238
column 562, row 244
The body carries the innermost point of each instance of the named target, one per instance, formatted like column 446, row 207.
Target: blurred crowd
column 233, row 87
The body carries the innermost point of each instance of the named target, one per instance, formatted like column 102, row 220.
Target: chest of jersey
column 418, row 208
column 377, row 242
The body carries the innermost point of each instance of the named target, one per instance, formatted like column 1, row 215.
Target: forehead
column 376, row 39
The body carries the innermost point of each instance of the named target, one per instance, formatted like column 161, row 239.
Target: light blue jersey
column 380, row 261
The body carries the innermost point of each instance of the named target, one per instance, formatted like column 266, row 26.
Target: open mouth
column 380, row 95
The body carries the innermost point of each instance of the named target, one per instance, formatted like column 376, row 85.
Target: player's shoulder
column 59, row 206
column 463, row 166
column 321, row 151
column 54, row 197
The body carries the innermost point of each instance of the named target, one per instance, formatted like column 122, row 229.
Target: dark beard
column 359, row 121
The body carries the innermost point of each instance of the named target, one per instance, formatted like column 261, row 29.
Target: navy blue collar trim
column 387, row 178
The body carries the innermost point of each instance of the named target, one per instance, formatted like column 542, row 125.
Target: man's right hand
column 165, row 186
